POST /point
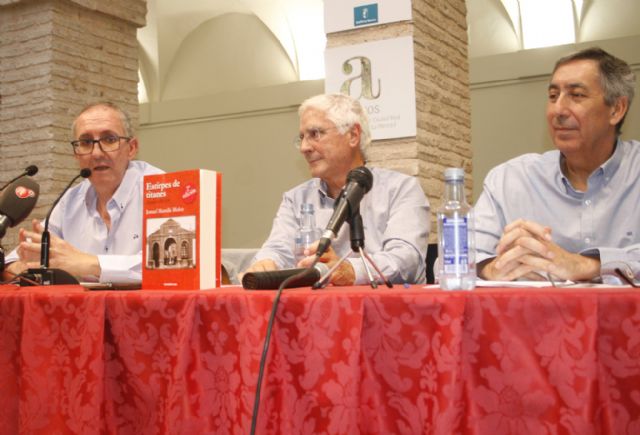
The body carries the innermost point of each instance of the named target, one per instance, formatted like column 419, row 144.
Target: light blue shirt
column 119, row 250
column 395, row 215
column 604, row 220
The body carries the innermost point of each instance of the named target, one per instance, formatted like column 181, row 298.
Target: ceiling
column 203, row 34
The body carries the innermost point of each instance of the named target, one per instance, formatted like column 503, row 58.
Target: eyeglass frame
column 313, row 134
column 75, row 143
column 625, row 274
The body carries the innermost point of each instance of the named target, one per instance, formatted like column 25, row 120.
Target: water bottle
column 307, row 232
column 456, row 242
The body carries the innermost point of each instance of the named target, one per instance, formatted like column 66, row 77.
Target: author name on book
column 164, row 210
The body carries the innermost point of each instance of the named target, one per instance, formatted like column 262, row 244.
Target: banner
column 350, row 14
column 381, row 75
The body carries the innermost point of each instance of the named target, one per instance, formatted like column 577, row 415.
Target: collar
column 122, row 195
column 610, row 167
column 605, row 170
column 322, row 187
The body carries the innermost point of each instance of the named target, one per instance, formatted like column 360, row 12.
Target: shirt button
column 587, row 202
column 587, row 240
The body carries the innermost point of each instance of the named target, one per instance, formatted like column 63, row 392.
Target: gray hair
column 344, row 111
column 125, row 119
column 616, row 78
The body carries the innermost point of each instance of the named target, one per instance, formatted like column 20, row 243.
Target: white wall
column 231, row 107
column 246, row 135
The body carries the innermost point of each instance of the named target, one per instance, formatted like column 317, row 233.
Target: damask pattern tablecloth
column 342, row 361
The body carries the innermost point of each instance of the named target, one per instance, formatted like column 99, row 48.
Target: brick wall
column 55, row 57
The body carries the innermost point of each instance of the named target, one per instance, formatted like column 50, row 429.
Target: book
column 181, row 230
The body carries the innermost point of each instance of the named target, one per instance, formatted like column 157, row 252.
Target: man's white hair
column 344, row 111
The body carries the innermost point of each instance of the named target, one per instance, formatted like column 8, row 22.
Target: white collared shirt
column 604, row 220
column 395, row 215
column 119, row 249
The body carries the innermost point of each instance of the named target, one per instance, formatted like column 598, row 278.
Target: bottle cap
column 306, row 208
column 453, row 174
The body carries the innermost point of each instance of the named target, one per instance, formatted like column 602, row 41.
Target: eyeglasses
column 312, row 135
column 557, row 283
column 623, row 272
column 627, row 275
column 107, row 144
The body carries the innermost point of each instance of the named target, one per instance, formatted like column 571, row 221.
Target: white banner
column 381, row 75
column 350, row 14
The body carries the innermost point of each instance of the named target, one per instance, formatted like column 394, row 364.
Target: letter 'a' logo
column 24, row 192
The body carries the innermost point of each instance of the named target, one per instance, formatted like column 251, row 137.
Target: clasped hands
column 62, row 255
column 526, row 250
column 343, row 275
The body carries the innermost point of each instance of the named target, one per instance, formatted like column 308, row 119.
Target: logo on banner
column 365, row 78
column 367, row 14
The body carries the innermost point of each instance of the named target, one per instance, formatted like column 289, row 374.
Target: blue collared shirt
column 395, row 215
column 604, row 220
column 119, row 250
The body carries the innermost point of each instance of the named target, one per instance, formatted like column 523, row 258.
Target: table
column 351, row 360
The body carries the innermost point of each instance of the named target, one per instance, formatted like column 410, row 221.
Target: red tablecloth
column 354, row 360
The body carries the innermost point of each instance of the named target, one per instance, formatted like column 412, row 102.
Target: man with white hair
column 334, row 134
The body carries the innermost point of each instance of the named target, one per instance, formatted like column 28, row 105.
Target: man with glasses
column 572, row 213
column 334, row 135
column 96, row 228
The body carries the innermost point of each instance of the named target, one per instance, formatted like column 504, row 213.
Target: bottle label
column 456, row 247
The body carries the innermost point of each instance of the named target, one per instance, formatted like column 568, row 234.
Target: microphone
column 17, row 202
column 359, row 182
column 44, row 250
column 271, row 280
column 44, row 275
column 30, row 170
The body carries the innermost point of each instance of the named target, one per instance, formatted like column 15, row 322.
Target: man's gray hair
column 344, row 111
column 616, row 78
column 125, row 119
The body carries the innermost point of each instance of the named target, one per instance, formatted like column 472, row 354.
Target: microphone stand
column 44, row 275
column 356, row 231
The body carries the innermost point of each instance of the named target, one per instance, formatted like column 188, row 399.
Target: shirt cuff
column 361, row 276
column 120, row 268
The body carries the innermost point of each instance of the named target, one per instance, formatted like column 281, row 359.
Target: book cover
column 181, row 230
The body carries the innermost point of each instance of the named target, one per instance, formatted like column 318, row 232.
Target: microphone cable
column 267, row 340
column 17, row 278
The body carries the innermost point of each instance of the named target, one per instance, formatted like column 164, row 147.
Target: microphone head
column 361, row 175
column 85, row 172
column 271, row 280
column 19, row 199
column 31, row 170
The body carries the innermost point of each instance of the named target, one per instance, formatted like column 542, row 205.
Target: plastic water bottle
column 307, row 232
column 456, row 242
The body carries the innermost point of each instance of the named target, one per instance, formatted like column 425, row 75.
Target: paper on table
column 536, row 284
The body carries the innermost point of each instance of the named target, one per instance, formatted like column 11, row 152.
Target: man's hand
column 62, row 255
column 526, row 249
column 260, row 266
column 343, row 275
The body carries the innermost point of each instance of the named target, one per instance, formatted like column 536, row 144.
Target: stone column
column 443, row 105
column 56, row 56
